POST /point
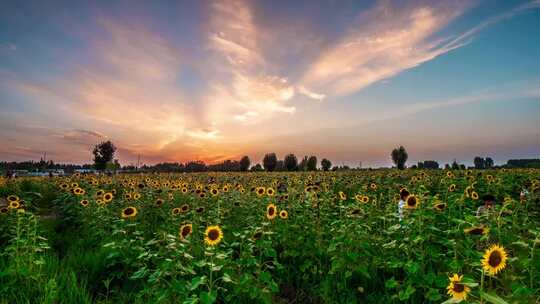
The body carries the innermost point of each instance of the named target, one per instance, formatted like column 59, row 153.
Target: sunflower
column 452, row 188
column 439, row 206
column 184, row 208
column 185, row 231
column 342, row 196
column 214, row 192
column 365, row 199
column 184, row 190
column 213, row 235
column 64, row 186
column 494, row 259
column 412, row 201
column 271, row 211
column 136, row 196
column 373, row 186
column 456, row 289
column 100, row 192
column 13, row 198
column 107, row 197
column 159, row 202
column 4, row 210
column 225, row 188
column 283, row 214
column 480, row 230
column 78, row 191
column 260, row 191
column 270, row 191
column 200, row 210
column 84, row 202
column 14, row 204
column 468, row 191
column 474, row 195
column 129, row 212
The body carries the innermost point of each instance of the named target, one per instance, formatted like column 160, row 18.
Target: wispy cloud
column 382, row 42
column 469, row 34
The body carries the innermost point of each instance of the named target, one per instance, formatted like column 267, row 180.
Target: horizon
column 216, row 80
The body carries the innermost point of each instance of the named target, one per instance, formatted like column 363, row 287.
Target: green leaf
column 407, row 293
column 226, row 278
column 196, row 281
column 208, row 297
column 192, row 300
column 392, row 283
column 451, row 301
column 141, row 273
column 491, row 298
column 433, row 295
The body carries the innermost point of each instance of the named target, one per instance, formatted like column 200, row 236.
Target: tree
column 280, row 165
column 479, row 162
column 312, row 163
column 399, row 156
column 257, row 168
column 488, row 162
column 455, row 165
column 523, row 163
column 270, row 162
column 103, row 154
column 302, row 166
column 291, row 162
column 326, row 164
column 244, row 163
column 428, row 164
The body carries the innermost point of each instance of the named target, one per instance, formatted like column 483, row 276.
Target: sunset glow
column 215, row 80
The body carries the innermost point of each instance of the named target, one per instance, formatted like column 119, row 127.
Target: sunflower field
column 361, row 236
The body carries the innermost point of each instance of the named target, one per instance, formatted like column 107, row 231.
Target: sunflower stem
column 482, row 288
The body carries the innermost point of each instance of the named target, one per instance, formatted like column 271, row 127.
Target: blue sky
column 214, row 80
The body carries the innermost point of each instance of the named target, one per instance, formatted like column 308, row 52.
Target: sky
column 215, row 80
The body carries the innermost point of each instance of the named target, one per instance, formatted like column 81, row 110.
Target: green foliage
column 333, row 247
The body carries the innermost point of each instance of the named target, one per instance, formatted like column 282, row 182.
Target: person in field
column 488, row 207
column 403, row 194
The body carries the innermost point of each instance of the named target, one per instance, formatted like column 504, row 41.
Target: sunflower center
column 186, row 231
column 411, row 202
column 213, row 234
column 129, row 211
column 458, row 287
column 271, row 211
column 477, row 231
column 495, row 259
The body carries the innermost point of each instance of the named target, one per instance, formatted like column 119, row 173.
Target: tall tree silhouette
column 399, row 156
column 103, row 154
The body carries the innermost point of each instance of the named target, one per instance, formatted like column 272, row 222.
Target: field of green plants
column 303, row 237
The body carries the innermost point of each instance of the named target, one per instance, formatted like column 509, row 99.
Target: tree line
column 103, row 157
